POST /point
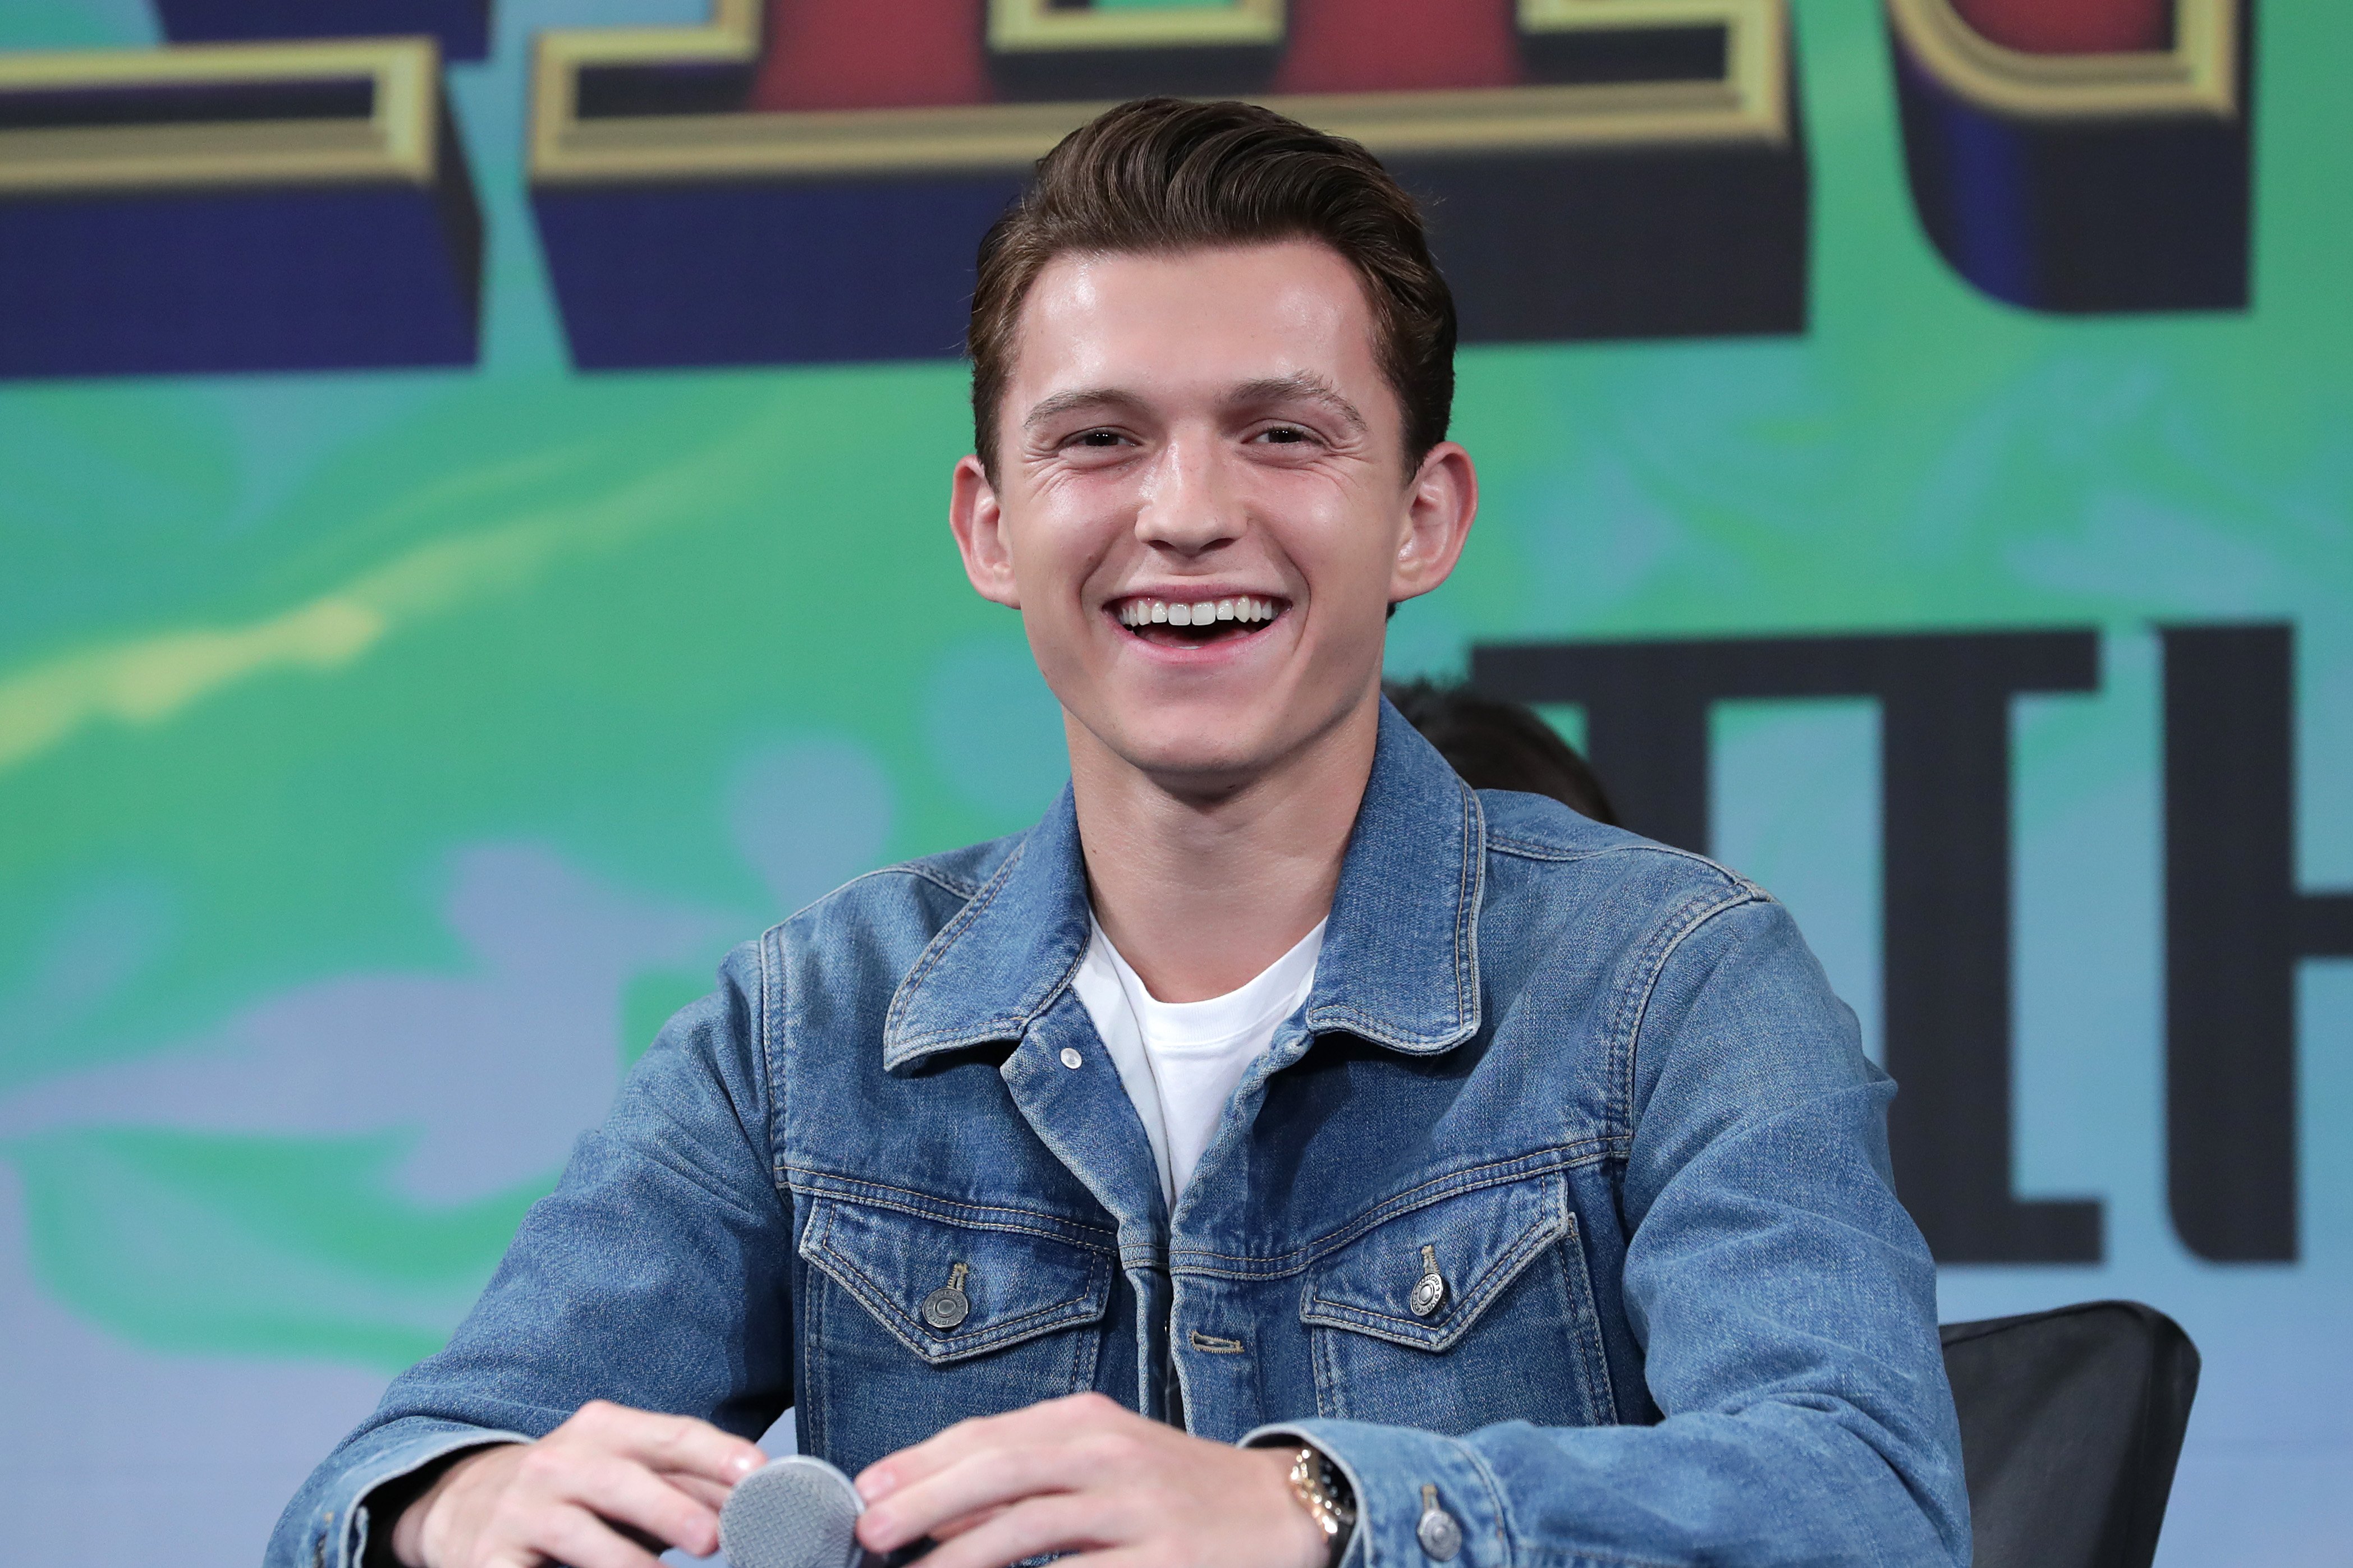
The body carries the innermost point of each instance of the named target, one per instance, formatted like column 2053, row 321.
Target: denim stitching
column 772, row 1006
column 1667, row 949
column 1340, row 1014
column 1497, row 1499
column 1639, row 973
column 816, row 1350
column 1329, row 1405
column 1632, row 1000
column 1467, row 891
column 959, row 887
column 1085, row 1350
column 1576, row 1276
column 937, row 949
column 1529, row 849
column 1524, row 1249
column 1088, row 1306
column 1541, row 1162
column 827, row 1184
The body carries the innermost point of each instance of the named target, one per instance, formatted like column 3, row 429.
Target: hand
column 1085, row 1476
column 608, row 1489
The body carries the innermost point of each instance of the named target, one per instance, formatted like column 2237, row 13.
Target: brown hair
column 1163, row 175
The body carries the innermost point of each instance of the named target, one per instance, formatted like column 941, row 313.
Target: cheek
column 1341, row 546
column 1063, row 534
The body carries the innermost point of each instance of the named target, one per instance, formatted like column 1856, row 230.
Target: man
column 1281, row 1153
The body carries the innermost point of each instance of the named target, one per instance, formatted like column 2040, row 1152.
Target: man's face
column 1201, row 505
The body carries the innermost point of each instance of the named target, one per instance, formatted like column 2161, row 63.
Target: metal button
column 948, row 1306
column 1070, row 1058
column 1439, row 1535
column 1429, row 1290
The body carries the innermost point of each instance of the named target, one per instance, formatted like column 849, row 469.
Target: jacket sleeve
column 654, row 1276
column 1785, row 1303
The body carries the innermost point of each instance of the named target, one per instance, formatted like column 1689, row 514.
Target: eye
column 1097, row 438
column 1284, row 436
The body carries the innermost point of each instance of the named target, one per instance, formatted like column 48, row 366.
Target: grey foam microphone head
column 794, row 1512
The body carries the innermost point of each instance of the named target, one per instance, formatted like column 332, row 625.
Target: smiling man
column 1281, row 1154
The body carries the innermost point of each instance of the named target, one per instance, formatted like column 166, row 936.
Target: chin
column 1206, row 758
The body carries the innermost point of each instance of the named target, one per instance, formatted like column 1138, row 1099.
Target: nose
column 1187, row 506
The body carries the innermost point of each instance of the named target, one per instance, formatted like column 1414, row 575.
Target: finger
column 678, row 1442
column 626, row 1492
column 1048, row 1420
column 1067, row 1521
column 989, row 1478
column 953, row 1528
column 709, row 1493
column 578, row 1539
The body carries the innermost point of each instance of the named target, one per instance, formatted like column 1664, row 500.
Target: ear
column 978, row 523
column 1439, row 504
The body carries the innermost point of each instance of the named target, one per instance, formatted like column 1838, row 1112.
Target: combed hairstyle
column 1165, row 176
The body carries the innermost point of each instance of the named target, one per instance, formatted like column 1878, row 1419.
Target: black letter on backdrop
column 1945, row 864
column 2234, row 928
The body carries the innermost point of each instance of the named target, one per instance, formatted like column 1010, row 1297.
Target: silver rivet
column 1070, row 1058
column 1439, row 1535
column 1429, row 1290
column 946, row 1307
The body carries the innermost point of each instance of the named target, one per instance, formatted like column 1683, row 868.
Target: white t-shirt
column 1179, row 1061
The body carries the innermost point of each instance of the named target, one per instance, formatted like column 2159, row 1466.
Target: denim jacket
column 1560, row 1209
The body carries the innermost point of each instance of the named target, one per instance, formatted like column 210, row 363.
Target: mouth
column 1196, row 623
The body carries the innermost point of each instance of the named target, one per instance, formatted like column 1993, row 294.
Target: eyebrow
column 1303, row 383
column 1062, row 403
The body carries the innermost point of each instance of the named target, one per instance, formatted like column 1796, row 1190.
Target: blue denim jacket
column 1598, row 1087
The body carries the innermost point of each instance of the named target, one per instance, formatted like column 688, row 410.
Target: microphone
column 794, row 1512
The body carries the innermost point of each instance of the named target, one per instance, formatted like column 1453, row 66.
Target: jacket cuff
column 1421, row 1500
column 338, row 1532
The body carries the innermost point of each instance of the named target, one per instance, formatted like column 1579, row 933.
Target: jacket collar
column 1401, row 959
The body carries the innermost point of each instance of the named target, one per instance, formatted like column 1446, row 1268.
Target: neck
column 1201, row 889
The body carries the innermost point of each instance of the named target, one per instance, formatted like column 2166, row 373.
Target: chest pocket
column 914, row 1322
column 1468, row 1310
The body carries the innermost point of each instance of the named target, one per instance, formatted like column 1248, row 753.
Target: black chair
column 2071, row 1422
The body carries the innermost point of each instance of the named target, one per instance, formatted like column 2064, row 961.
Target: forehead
column 1195, row 319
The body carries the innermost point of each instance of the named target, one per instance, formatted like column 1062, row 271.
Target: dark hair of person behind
column 1495, row 744
column 1165, row 176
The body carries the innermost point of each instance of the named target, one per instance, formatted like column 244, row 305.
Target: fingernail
column 747, row 1463
column 876, row 1484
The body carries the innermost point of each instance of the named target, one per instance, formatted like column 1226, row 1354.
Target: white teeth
column 1152, row 612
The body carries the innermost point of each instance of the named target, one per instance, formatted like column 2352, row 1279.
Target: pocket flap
column 1473, row 1244
column 949, row 1290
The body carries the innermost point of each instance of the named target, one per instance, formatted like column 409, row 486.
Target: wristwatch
column 1326, row 1496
